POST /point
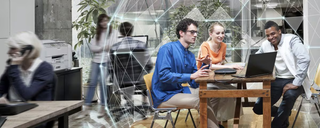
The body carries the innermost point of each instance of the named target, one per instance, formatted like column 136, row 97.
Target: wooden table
column 45, row 112
column 239, row 92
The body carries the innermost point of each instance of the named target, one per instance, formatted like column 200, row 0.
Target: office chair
column 167, row 117
column 128, row 71
column 314, row 96
column 55, row 87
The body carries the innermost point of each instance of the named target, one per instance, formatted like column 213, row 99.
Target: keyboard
column 15, row 108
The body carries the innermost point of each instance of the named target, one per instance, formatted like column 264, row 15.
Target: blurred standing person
column 98, row 73
column 27, row 77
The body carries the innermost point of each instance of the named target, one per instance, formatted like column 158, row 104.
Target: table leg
column 203, row 107
column 63, row 121
column 237, row 111
column 267, row 106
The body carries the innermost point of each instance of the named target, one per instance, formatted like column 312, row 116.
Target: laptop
column 259, row 64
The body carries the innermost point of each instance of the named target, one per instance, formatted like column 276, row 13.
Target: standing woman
column 215, row 49
column 98, row 65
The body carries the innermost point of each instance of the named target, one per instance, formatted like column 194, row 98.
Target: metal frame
column 168, row 116
column 314, row 99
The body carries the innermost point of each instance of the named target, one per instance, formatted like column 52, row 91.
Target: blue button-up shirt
column 174, row 66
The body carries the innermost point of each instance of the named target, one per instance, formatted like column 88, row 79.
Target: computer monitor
column 143, row 38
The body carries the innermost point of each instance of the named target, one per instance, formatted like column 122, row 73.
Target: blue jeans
column 281, row 114
column 95, row 76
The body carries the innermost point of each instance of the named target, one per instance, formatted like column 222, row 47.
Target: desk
column 45, row 112
column 212, row 78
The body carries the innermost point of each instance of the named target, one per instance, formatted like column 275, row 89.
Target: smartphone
column 25, row 48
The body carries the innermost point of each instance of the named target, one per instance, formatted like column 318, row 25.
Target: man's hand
column 206, row 60
column 3, row 100
column 201, row 72
column 288, row 87
column 16, row 59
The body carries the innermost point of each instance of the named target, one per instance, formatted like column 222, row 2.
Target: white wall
column 311, row 14
column 272, row 13
column 16, row 16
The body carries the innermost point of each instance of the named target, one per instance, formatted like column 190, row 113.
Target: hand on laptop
column 237, row 67
column 288, row 87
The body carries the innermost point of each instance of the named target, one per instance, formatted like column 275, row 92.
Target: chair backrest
column 54, row 87
column 128, row 67
column 148, row 79
column 317, row 76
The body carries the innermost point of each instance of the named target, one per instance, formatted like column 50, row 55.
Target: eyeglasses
column 193, row 32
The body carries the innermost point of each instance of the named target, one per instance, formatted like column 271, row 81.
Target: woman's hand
column 16, row 58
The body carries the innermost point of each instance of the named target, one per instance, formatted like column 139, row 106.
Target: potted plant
column 207, row 8
column 87, row 20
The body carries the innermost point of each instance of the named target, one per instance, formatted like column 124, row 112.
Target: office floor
column 308, row 118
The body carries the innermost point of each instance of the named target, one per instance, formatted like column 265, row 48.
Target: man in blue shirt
column 176, row 65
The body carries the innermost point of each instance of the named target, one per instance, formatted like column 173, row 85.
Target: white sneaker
column 101, row 112
column 85, row 112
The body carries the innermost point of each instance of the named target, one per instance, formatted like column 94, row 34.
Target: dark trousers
column 282, row 113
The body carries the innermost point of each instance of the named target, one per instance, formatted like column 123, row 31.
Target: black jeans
column 281, row 114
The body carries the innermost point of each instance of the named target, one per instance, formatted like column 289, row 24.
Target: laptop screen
column 261, row 64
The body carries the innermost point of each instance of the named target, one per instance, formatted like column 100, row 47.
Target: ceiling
column 142, row 5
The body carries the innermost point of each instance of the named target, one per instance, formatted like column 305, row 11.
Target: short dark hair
column 270, row 24
column 183, row 25
column 126, row 29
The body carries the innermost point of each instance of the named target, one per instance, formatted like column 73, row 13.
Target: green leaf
column 82, row 7
column 77, row 27
column 102, row 11
column 89, row 13
column 75, row 46
column 95, row 2
column 80, row 35
column 95, row 16
column 86, row 34
column 89, row 40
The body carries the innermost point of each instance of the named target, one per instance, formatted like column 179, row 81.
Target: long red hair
column 100, row 28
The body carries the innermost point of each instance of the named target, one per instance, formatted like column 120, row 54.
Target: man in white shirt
column 291, row 67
